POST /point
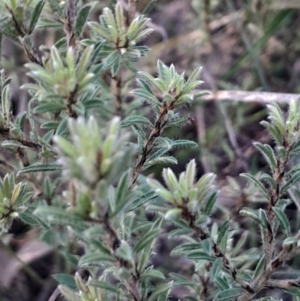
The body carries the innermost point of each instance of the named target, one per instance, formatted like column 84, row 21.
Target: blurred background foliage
column 249, row 45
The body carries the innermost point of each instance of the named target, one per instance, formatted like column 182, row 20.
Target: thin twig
column 149, row 144
column 253, row 96
column 114, row 242
column 260, row 282
column 71, row 42
column 70, row 24
column 4, row 132
column 272, row 262
column 202, row 235
column 32, row 54
column 70, row 101
column 283, row 284
column 205, row 279
column 116, row 87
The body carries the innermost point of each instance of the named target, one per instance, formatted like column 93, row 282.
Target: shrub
column 79, row 174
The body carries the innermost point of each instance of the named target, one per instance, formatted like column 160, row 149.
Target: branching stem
column 31, row 53
column 202, row 235
column 149, row 144
column 70, row 24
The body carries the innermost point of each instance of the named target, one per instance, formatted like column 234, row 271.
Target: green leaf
column 296, row 146
column 152, row 273
column 256, row 183
column 210, row 203
column 36, row 14
column 40, row 168
column 144, row 94
column 115, row 66
column 69, row 294
column 13, row 145
column 144, row 257
column 216, row 268
column 268, row 153
column 139, row 201
column 177, row 122
column 186, row 248
column 46, row 107
column 62, row 127
column 222, row 283
column 54, row 4
column 223, row 234
column 158, row 154
column 276, row 116
column 111, row 58
column 148, row 7
column 161, row 160
column 47, row 23
column 97, row 48
column 65, row 279
column 293, row 171
column 274, row 131
column 251, row 214
column 135, row 119
column 29, row 218
column 270, row 180
column 82, row 18
column 144, row 85
column 147, row 240
column 162, row 72
column 290, row 241
column 93, row 103
column 179, row 232
column 105, row 285
column 229, row 294
column 122, row 188
column 49, row 125
column 283, row 220
column 92, row 259
column 137, row 129
column 291, row 181
column 161, row 289
column 259, row 267
column 198, row 255
column 184, row 143
column 122, row 194
column 182, row 281
column 7, row 28
column 60, row 216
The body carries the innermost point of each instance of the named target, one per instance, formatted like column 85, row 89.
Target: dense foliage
column 82, row 151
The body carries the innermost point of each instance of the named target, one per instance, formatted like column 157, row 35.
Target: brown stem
column 70, row 24
column 4, row 132
column 114, row 243
column 116, row 87
column 202, row 235
column 32, row 54
column 149, row 144
column 283, row 284
column 272, row 262
column 205, row 282
column 70, row 101
column 262, row 280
